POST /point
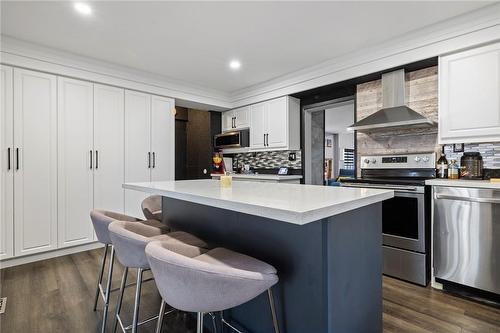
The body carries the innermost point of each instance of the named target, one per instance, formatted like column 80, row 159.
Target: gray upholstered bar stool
column 129, row 240
column 101, row 219
column 151, row 207
column 217, row 280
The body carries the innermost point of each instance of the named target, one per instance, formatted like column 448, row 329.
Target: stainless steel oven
column 405, row 217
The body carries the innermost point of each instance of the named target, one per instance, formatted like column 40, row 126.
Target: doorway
column 329, row 149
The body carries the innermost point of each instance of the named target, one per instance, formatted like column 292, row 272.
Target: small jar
column 453, row 170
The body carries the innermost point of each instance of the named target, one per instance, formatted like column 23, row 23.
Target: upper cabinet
column 275, row 124
column 235, row 119
column 469, row 96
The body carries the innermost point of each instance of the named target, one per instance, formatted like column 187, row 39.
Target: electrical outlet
column 292, row 156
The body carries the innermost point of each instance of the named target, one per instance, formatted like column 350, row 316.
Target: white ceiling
column 194, row 41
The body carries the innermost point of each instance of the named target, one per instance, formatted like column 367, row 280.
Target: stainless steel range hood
column 394, row 112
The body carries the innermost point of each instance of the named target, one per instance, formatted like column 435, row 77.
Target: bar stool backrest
column 151, row 207
column 101, row 219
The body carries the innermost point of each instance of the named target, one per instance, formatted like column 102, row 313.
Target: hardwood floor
column 57, row 296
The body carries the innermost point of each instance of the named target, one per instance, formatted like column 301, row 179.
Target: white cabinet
column 6, row 167
column 469, row 95
column 75, row 161
column 35, row 162
column 90, row 156
column 149, row 143
column 236, row 119
column 109, row 148
column 275, row 124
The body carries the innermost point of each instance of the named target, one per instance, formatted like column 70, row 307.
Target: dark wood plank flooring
column 56, row 295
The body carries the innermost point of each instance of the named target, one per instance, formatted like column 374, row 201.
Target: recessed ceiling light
column 82, row 8
column 235, row 64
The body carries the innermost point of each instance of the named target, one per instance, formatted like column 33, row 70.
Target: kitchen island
column 326, row 243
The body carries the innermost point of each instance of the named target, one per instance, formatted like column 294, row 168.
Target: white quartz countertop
column 463, row 183
column 293, row 203
column 261, row 176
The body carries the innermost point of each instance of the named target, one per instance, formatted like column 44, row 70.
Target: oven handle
column 396, row 188
column 456, row 197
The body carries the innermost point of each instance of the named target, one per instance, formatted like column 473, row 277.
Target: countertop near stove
column 463, row 183
column 292, row 203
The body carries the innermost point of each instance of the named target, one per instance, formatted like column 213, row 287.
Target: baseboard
column 48, row 255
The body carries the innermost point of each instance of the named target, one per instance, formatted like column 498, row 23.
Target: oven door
column 403, row 221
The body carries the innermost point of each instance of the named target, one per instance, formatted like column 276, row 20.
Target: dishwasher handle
column 471, row 199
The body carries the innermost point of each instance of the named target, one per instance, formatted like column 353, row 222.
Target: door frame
column 307, row 112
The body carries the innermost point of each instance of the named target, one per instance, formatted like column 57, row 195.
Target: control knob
column 425, row 159
column 367, row 161
column 417, row 159
column 374, row 161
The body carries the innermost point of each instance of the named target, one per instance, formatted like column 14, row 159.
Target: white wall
column 337, row 119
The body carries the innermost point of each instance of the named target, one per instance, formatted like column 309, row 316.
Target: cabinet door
column 6, row 167
column 227, row 120
column 277, row 123
column 257, row 124
column 137, row 147
column 241, row 117
column 469, row 100
column 162, row 139
column 109, row 146
column 75, row 147
column 35, row 174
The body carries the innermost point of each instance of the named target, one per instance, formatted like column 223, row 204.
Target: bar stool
column 151, row 207
column 101, row 219
column 129, row 240
column 217, row 280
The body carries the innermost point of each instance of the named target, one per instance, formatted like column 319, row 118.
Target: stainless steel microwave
column 233, row 139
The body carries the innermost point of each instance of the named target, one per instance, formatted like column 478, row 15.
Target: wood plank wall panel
column 421, row 96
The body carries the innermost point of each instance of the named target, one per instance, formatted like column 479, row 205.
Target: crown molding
column 465, row 31
column 19, row 53
column 468, row 30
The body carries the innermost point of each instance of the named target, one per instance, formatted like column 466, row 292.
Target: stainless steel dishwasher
column 467, row 236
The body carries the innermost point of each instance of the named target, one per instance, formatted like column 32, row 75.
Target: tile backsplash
column 489, row 151
column 270, row 159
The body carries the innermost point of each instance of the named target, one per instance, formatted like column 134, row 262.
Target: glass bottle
column 442, row 167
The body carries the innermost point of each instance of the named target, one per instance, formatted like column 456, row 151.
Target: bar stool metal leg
column 273, row 310
column 108, row 290
column 99, row 280
column 160, row 316
column 137, row 300
column 199, row 322
column 120, row 298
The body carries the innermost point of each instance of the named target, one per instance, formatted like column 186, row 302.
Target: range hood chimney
column 394, row 112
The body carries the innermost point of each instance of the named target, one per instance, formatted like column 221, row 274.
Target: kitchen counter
column 324, row 241
column 262, row 176
column 292, row 203
column 463, row 183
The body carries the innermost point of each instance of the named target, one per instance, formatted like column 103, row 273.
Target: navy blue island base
column 330, row 270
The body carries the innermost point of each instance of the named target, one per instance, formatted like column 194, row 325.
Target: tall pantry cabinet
column 90, row 159
column 149, row 143
column 67, row 146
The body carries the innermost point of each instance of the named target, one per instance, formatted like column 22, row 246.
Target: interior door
column 6, row 167
column 277, row 123
column 75, row 149
column 257, row 124
column 137, row 147
column 109, row 146
column 162, row 139
column 35, row 172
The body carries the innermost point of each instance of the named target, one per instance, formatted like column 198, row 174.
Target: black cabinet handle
column 154, row 160
column 149, row 160
column 17, row 158
column 90, row 153
column 96, row 159
column 8, row 158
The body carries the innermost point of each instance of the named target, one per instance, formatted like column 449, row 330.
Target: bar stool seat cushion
column 183, row 243
column 151, row 207
column 101, row 219
column 130, row 240
column 218, row 280
column 230, row 259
